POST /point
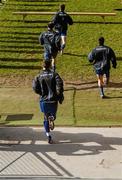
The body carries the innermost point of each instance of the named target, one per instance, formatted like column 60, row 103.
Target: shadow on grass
column 80, row 87
column 20, row 37
column 115, row 85
column 51, row 1
column 19, row 41
column 99, row 22
column 37, row 21
column 31, row 9
column 20, row 47
column 18, row 117
column 119, row 9
column 20, row 51
column 19, row 67
column 23, row 27
column 85, row 55
column 79, row 83
column 113, row 97
column 19, row 33
column 89, row 85
column 47, row 21
column 30, row 5
column 7, row 118
column 76, row 55
column 23, row 8
column 119, row 58
column 26, row 21
column 20, row 59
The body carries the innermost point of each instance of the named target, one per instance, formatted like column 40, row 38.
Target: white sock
column 48, row 134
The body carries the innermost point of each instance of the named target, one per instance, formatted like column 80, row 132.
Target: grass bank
column 21, row 52
column 21, row 57
column 80, row 108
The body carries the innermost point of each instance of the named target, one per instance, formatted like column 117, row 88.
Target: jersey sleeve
column 70, row 20
column 59, row 84
column 36, row 86
column 113, row 58
column 41, row 39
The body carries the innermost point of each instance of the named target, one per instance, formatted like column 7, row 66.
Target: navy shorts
column 49, row 108
column 63, row 33
column 102, row 72
column 48, row 56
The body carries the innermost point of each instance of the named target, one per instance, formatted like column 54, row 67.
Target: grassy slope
column 83, row 108
column 19, row 101
column 22, row 54
column 19, row 41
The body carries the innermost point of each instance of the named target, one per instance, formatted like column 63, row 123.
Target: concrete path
column 78, row 153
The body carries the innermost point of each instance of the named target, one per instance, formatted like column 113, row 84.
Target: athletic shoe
column 103, row 97
column 50, row 141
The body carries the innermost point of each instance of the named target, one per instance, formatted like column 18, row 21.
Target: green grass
column 80, row 108
column 91, row 110
column 21, row 52
column 21, row 55
column 19, row 101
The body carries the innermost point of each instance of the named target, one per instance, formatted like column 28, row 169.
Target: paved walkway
column 78, row 153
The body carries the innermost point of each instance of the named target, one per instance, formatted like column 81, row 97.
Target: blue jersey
column 48, row 85
column 101, row 56
column 61, row 21
column 51, row 41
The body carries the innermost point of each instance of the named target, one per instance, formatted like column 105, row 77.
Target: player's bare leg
column 100, row 85
column 63, row 43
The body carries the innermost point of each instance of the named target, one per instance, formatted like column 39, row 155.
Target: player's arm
column 91, row 57
column 70, row 20
column 55, row 19
column 41, row 39
column 113, row 58
column 59, row 88
column 36, row 86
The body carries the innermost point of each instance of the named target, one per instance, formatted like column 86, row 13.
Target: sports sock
column 101, row 90
column 62, row 46
column 53, row 68
column 48, row 134
column 46, row 126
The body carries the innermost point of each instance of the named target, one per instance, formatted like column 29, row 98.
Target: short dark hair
column 47, row 64
column 101, row 40
column 62, row 7
column 50, row 25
